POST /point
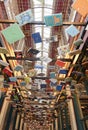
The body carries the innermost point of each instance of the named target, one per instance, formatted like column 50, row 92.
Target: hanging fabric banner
column 60, row 63
column 7, row 71
column 63, row 71
column 24, row 17
column 3, row 50
column 52, row 74
column 78, row 42
column 18, row 68
column 59, row 87
column 81, row 6
column 13, row 33
column 62, row 50
column 13, row 79
column 53, row 20
column 33, row 51
column 72, row 30
column 36, row 37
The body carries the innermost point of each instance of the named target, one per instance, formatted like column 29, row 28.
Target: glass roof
column 41, row 9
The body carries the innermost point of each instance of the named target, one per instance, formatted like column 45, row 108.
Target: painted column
column 71, row 110
column 17, row 122
column 56, row 121
column 21, row 122
column 77, row 113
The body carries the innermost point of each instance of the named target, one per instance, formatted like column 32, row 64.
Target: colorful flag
column 18, row 68
column 53, row 84
column 13, row 33
column 59, row 87
column 60, row 63
column 24, row 17
column 72, row 30
column 52, row 74
column 33, row 51
column 53, row 20
column 7, row 71
column 27, row 79
column 81, row 6
column 78, row 42
column 23, row 83
column 47, row 81
column 36, row 37
column 62, row 50
column 4, row 50
column 63, row 71
column 39, row 66
column 43, row 86
column 13, row 79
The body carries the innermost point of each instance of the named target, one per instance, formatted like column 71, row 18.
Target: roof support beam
column 23, row 58
column 6, row 21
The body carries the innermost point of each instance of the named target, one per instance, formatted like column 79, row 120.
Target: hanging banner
column 7, row 71
column 60, row 63
column 78, row 42
column 63, row 71
column 13, row 33
column 62, row 50
column 59, row 87
column 3, row 50
column 33, row 51
column 72, row 30
column 36, row 37
column 81, row 6
column 24, row 17
column 13, row 79
column 52, row 74
column 18, row 68
column 53, row 20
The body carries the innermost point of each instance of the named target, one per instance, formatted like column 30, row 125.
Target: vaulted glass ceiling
column 42, row 8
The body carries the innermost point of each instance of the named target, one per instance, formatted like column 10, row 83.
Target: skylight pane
column 39, row 14
column 36, row 2
column 38, row 30
column 38, row 45
column 47, row 32
column 45, row 54
column 39, row 54
column 45, row 64
column 49, row 2
column 47, row 11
